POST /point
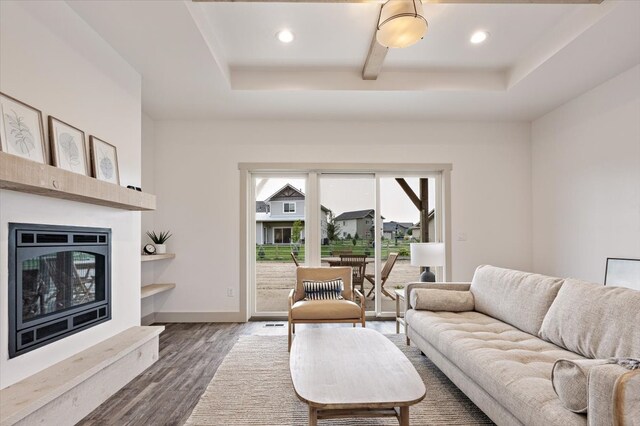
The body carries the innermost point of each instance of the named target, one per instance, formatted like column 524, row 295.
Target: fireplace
column 59, row 283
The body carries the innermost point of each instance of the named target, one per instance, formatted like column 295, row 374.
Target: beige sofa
column 501, row 353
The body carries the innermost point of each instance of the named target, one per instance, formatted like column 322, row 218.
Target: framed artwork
column 68, row 147
column 21, row 130
column 622, row 273
column 104, row 161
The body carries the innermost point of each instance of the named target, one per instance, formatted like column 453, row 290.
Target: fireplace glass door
column 58, row 281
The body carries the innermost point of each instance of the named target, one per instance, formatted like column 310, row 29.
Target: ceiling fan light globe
column 401, row 23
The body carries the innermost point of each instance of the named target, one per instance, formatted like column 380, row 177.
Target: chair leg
column 289, row 341
column 293, row 328
column 354, row 325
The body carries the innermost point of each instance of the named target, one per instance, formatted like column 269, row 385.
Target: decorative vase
column 161, row 248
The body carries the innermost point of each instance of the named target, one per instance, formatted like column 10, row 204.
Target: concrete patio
column 276, row 279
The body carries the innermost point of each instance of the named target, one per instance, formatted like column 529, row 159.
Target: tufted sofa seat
column 499, row 357
column 501, row 353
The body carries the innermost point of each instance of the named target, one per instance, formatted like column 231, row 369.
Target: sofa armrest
column 439, row 286
column 614, row 396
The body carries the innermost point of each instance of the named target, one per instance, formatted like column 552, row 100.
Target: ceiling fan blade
column 424, row 1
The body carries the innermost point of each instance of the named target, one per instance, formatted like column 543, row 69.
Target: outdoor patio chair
column 359, row 264
column 344, row 310
column 295, row 259
column 386, row 271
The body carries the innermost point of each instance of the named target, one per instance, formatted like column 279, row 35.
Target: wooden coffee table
column 353, row 372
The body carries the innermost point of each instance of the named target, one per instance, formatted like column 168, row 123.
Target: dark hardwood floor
column 190, row 354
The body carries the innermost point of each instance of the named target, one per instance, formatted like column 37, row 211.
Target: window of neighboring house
column 344, row 234
column 344, row 223
column 282, row 235
column 289, row 207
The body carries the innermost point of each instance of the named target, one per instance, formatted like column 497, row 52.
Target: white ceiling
column 338, row 35
column 222, row 60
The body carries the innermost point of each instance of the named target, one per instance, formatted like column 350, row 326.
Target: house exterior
column 416, row 231
column 275, row 216
column 392, row 230
column 359, row 222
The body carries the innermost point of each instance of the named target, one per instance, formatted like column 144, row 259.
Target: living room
column 506, row 133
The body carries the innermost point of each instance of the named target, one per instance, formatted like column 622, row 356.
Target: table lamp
column 427, row 254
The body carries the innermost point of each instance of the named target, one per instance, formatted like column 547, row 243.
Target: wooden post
column 424, row 210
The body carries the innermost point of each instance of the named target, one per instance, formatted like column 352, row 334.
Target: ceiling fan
column 401, row 23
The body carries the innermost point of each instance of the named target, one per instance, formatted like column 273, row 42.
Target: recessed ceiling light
column 479, row 37
column 285, row 36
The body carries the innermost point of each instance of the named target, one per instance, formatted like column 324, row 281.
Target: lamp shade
column 427, row 254
column 401, row 23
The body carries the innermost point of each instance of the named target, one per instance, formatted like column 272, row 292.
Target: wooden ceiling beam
column 424, row 1
column 375, row 59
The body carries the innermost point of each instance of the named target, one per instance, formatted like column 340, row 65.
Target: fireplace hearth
column 59, row 283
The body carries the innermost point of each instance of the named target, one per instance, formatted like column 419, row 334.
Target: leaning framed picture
column 104, row 161
column 68, row 147
column 21, row 130
column 622, row 273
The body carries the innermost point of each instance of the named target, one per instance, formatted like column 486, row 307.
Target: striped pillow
column 323, row 290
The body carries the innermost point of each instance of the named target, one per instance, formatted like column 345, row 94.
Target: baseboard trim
column 148, row 319
column 161, row 317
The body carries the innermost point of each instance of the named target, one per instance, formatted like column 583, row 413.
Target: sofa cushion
column 594, row 321
column 511, row 365
column 518, row 298
column 325, row 309
column 570, row 379
column 441, row 300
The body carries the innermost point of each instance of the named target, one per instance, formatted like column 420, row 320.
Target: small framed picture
column 622, row 272
column 104, row 161
column 21, row 130
column 68, row 147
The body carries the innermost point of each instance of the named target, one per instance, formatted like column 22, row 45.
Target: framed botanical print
column 21, row 130
column 104, row 161
column 68, row 147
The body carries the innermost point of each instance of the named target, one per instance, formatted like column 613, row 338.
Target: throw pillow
column 323, row 290
column 428, row 299
column 570, row 380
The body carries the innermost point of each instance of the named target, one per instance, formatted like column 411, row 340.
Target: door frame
column 312, row 170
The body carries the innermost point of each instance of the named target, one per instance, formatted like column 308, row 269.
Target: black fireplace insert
column 59, row 283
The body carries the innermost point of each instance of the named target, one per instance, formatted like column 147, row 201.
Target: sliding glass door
column 280, row 240
column 348, row 233
column 365, row 220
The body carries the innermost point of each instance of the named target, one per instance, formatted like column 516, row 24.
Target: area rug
column 253, row 387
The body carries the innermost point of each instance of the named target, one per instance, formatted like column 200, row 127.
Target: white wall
column 148, row 218
column 51, row 59
column 197, row 183
column 586, row 181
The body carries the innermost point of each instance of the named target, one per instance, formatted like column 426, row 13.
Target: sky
column 346, row 193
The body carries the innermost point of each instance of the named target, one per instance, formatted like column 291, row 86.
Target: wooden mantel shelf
column 151, row 289
column 19, row 174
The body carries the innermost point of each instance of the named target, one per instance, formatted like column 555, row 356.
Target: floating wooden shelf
column 151, row 289
column 152, row 257
column 19, row 174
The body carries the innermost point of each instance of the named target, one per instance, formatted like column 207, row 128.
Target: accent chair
column 344, row 310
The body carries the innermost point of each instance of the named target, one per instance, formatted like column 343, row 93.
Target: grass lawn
column 280, row 252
